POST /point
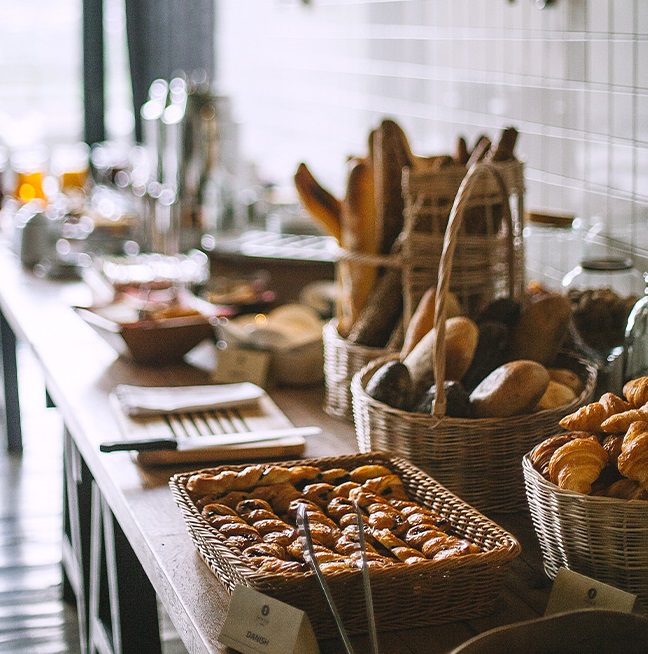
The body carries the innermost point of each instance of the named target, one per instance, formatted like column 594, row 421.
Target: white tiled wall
column 308, row 81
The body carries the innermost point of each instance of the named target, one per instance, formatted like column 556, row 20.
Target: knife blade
column 207, row 441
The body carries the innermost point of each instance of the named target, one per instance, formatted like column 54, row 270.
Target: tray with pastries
column 431, row 554
column 587, row 489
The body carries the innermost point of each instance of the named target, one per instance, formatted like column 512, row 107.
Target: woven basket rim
column 330, row 331
column 507, row 549
column 534, row 477
column 360, row 380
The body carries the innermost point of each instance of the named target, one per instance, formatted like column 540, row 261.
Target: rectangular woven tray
column 404, row 596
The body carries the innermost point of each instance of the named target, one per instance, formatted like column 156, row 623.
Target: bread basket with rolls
column 390, row 228
column 434, row 559
column 474, row 443
column 587, row 489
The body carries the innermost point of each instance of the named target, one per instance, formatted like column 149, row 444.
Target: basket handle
column 475, row 174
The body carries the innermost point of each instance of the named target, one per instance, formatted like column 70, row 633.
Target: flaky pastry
column 577, row 465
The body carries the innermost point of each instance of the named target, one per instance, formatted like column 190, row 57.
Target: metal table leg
column 10, row 419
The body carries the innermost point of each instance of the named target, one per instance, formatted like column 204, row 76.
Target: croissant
column 636, row 391
column 612, row 445
column 620, row 422
column 542, row 453
column 591, row 416
column 626, row 489
column 633, row 460
column 577, row 465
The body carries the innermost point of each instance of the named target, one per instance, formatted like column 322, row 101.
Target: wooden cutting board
column 184, row 426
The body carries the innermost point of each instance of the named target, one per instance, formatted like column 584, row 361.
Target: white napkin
column 154, row 400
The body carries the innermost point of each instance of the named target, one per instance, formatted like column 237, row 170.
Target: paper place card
column 573, row 591
column 256, row 623
column 238, row 364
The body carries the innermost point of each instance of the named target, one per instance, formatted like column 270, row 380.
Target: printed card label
column 258, row 624
column 237, row 364
column 572, row 591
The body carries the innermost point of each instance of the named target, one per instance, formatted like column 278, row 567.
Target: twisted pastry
column 278, row 495
column 345, row 488
column 319, row 493
column 205, row 482
column 388, row 486
column 408, row 555
column 365, row 472
column 577, row 464
column 334, row 476
column 299, row 474
column 626, row 489
column 636, row 392
column 633, row 460
column 272, row 565
column 266, row 549
column 591, row 416
column 245, row 507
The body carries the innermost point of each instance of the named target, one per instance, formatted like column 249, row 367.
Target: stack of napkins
column 152, row 400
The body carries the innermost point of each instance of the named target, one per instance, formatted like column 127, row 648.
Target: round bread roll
column 556, row 395
column 512, row 389
column 568, row 378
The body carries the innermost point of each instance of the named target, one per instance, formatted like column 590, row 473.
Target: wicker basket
column 404, row 596
column 602, row 537
column 479, row 459
column 478, row 274
column 490, row 238
column 342, row 359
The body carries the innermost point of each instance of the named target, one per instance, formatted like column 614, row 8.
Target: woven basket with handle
column 478, row 459
column 479, row 272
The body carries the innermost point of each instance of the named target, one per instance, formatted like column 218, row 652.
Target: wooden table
column 126, row 539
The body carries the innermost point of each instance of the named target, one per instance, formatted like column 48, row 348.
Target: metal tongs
column 303, row 528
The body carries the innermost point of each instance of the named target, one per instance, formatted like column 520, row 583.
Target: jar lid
column 552, row 219
column 607, row 264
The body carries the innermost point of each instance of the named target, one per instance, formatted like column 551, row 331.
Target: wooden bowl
column 150, row 342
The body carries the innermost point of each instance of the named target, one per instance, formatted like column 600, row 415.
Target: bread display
column 484, row 361
column 605, row 450
column 368, row 224
column 253, row 509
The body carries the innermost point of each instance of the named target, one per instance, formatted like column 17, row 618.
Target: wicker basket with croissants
column 605, row 448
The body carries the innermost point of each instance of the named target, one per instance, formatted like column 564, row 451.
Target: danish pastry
column 362, row 473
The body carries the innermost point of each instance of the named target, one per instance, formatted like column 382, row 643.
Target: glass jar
column 602, row 292
column 552, row 246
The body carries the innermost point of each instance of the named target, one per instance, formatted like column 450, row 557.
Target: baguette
column 358, row 234
column 322, row 206
column 423, row 318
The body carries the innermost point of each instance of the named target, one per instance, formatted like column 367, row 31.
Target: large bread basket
column 602, row 537
column 478, row 459
column 404, row 596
